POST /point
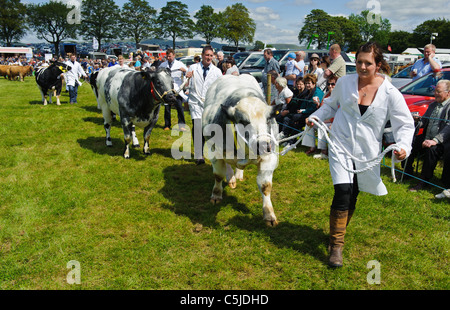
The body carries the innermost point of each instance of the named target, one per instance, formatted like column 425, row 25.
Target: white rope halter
column 339, row 148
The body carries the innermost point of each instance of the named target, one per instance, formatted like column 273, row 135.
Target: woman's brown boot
column 338, row 224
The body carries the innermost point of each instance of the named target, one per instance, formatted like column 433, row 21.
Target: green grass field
column 147, row 223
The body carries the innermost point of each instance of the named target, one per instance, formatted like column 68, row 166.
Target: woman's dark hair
column 230, row 60
column 373, row 47
column 326, row 59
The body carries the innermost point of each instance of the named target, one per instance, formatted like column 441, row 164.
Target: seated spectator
column 309, row 138
column 231, row 67
column 435, row 140
column 112, row 62
column 308, row 105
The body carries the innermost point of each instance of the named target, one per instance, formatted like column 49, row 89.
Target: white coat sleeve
column 401, row 121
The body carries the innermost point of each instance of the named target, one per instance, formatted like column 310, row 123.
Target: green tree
column 422, row 33
column 49, row 21
column 237, row 25
column 137, row 20
column 12, row 16
column 319, row 23
column 174, row 22
column 347, row 33
column 100, row 20
column 399, row 41
column 208, row 23
column 377, row 31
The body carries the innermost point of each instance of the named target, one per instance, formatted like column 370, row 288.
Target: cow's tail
column 93, row 82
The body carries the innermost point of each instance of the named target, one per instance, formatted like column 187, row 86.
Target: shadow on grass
column 99, row 121
column 98, row 146
column 188, row 187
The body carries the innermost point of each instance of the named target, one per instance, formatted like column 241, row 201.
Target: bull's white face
column 255, row 124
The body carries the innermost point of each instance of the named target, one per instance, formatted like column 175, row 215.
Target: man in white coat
column 202, row 75
column 177, row 68
column 72, row 78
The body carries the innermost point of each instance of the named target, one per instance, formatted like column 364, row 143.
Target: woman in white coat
column 361, row 105
column 202, row 75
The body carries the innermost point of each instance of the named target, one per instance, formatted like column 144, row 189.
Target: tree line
column 104, row 20
column 357, row 29
column 54, row 22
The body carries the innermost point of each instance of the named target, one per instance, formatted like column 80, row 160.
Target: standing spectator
column 138, row 64
column 177, row 68
column 112, row 63
column 337, row 66
column 435, row 140
column 370, row 95
column 121, row 61
column 300, row 59
column 72, row 78
column 271, row 64
column 427, row 64
column 220, row 61
column 202, row 75
column 292, row 71
column 146, row 63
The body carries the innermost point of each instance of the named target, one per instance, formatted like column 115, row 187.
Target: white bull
column 237, row 102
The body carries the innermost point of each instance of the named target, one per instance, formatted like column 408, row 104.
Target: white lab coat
column 199, row 86
column 362, row 135
column 177, row 75
column 74, row 73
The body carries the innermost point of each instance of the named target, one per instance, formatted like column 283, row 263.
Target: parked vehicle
column 418, row 95
column 402, row 77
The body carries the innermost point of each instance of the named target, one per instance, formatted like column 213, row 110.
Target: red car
column 420, row 93
column 418, row 96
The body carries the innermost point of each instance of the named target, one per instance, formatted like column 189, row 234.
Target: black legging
column 345, row 195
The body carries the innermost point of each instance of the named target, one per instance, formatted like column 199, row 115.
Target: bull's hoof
column 216, row 200
column 147, row 153
column 232, row 183
column 272, row 223
column 136, row 146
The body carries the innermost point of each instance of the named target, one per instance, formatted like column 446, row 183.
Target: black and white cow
column 235, row 106
column 49, row 79
column 136, row 97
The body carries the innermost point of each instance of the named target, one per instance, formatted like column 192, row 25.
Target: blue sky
column 280, row 21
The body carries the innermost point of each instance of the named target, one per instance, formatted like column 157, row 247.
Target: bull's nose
column 265, row 147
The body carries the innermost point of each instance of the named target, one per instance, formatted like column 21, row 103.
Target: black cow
column 49, row 79
column 135, row 96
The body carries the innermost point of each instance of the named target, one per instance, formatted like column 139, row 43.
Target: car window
column 254, row 60
column 278, row 55
column 239, row 58
column 425, row 85
column 349, row 69
column 403, row 73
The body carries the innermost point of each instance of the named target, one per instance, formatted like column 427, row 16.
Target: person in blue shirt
column 427, row 64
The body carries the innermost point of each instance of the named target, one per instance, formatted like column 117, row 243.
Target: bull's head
column 162, row 84
column 61, row 66
column 255, row 124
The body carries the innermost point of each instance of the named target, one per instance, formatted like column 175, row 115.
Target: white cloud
column 263, row 13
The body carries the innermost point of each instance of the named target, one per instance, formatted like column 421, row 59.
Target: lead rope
column 339, row 148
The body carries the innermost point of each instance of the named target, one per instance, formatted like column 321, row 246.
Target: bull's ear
column 229, row 111
column 146, row 75
column 275, row 110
